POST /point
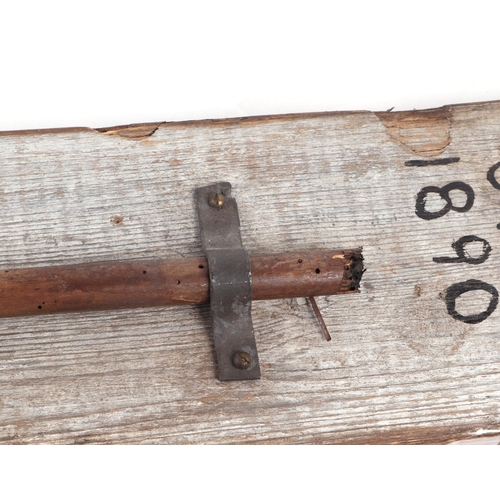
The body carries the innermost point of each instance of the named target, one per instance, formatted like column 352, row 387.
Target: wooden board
column 400, row 368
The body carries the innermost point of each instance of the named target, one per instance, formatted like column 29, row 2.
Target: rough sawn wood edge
column 406, row 119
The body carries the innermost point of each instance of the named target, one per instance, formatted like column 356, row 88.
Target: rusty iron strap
column 230, row 283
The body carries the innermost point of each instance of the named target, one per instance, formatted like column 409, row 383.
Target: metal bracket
column 230, row 283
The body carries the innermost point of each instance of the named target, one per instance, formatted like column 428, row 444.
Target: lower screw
column 242, row 360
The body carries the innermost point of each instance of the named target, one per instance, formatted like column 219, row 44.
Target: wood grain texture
column 399, row 368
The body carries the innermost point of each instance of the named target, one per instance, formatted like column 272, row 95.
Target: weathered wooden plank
column 398, row 369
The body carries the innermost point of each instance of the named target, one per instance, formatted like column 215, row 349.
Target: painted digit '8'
column 444, row 192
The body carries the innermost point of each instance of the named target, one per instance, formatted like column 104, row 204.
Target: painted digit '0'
column 444, row 192
column 457, row 289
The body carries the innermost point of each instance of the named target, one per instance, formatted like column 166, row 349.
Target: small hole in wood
column 177, row 282
column 300, row 261
column 144, row 272
column 39, row 307
column 201, row 266
column 317, row 270
column 43, row 303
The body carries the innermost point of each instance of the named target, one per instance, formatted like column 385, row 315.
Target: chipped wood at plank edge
column 138, row 131
column 431, row 120
column 398, row 369
column 425, row 133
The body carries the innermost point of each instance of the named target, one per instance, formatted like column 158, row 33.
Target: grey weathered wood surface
column 398, row 370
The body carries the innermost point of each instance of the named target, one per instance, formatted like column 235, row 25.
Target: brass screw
column 242, row 360
column 216, row 200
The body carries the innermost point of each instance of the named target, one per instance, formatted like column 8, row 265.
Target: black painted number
column 459, row 247
column 491, row 175
column 454, row 291
column 444, row 192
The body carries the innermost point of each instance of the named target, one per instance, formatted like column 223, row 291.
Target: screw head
column 216, row 200
column 242, row 360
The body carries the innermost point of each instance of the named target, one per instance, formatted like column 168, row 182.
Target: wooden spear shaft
column 131, row 284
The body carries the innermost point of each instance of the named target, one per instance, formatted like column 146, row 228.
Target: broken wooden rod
column 132, row 284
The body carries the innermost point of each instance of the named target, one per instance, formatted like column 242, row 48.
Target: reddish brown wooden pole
column 122, row 285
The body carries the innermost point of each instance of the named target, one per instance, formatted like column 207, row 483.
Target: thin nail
column 321, row 322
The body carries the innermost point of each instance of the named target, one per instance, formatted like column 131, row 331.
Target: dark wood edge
column 434, row 435
column 248, row 120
